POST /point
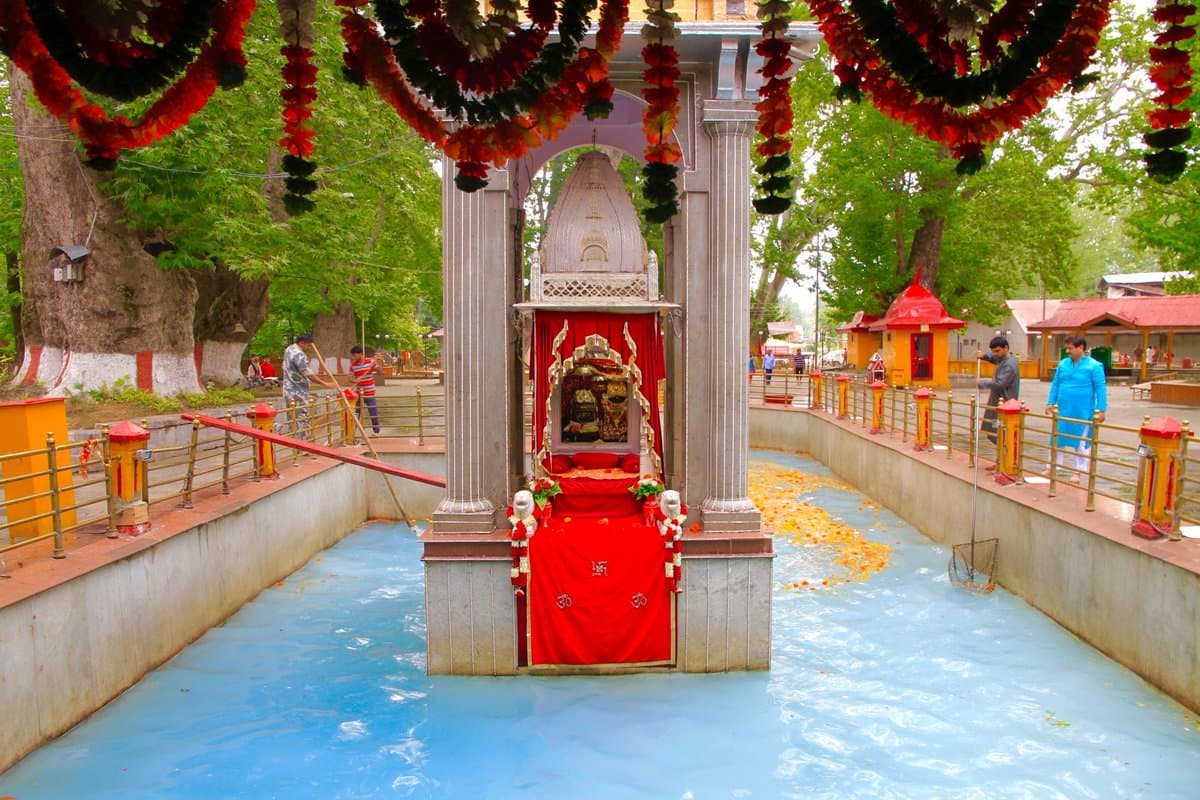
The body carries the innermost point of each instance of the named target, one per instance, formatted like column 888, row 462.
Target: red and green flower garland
column 862, row 66
column 582, row 85
column 220, row 62
column 661, row 94
column 1171, row 74
column 299, row 92
column 774, row 109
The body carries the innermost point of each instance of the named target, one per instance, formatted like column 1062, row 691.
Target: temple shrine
column 916, row 338
column 605, row 369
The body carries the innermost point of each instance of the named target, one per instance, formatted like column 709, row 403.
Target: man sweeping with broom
column 296, row 381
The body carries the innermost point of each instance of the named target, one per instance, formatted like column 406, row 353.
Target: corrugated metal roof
column 1172, row 312
column 1031, row 312
column 1141, row 277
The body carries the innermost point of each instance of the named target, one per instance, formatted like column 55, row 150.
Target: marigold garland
column 1171, row 74
column 661, row 114
column 964, row 132
column 122, row 72
column 220, row 60
column 774, row 109
column 582, row 85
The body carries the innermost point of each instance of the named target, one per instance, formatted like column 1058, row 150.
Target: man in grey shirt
column 1004, row 385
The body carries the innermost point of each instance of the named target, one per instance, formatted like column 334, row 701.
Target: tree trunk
column 228, row 312
column 926, row 252
column 334, row 334
column 12, row 262
column 126, row 319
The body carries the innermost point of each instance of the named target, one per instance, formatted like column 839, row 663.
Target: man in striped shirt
column 363, row 370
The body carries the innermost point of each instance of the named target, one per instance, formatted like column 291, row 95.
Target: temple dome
column 593, row 226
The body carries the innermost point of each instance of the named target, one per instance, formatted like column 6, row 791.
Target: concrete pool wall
column 1137, row 602
column 109, row 613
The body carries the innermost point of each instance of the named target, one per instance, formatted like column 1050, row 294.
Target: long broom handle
column 362, row 431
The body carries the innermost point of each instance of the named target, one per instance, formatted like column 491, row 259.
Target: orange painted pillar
column 24, row 425
column 1008, row 440
column 348, row 432
column 924, row 397
column 816, row 377
column 125, row 439
column 1160, row 444
column 843, row 382
column 262, row 416
column 877, row 406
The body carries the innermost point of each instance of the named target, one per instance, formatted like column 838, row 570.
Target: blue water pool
column 901, row 686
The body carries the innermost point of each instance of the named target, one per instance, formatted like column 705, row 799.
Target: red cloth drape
column 597, row 498
column 597, row 593
column 643, row 329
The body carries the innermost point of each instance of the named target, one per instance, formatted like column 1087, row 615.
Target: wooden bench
column 1141, row 391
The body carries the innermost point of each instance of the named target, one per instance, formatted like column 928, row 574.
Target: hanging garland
column 860, row 67
column 300, row 79
column 446, row 90
column 774, row 109
column 1171, row 74
column 661, row 114
column 498, row 69
column 670, row 529
column 220, row 62
column 582, row 86
column 142, row 69
column 910, row 60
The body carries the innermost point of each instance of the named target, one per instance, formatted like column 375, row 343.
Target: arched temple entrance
column 606, row 339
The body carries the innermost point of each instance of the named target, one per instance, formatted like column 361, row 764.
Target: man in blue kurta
column 1079, row 393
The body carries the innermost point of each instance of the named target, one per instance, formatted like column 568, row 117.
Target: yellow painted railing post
column 924, row 397
column 348, row 427
column 843, row 388
column 262, row 416
column 877, row 406
column 127, row 442
column 1158, row 476
column 814, row 381
column 1008, row 441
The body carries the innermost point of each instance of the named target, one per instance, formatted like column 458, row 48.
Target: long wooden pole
column 362, row 432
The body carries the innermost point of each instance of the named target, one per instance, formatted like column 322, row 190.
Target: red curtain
column 643, row 329
column 597, row 593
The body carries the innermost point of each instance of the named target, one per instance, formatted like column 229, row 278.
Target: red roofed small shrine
column 861, row 341
column 916, row 327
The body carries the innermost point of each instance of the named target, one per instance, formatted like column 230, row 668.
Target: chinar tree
column 188, row 242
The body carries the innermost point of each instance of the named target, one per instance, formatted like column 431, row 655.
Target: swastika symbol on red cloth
column 639, row 600
column 563, row 600
column 599, row 568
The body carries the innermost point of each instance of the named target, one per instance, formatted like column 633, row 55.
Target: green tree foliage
column 213, row 188
column 883, row 200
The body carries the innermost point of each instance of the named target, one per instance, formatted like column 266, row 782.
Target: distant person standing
column 363, row 369
column 768, row 365
column 1079, row 393
column 1004, row 385
column 752, row 369
column 296, row 378
column 798, row 362
column 1151, row 355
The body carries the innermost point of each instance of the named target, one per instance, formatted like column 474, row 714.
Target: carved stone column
column 475, row 269
column 730, row 126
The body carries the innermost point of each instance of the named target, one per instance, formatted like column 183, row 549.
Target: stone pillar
column 730, row 126
column 475, row 264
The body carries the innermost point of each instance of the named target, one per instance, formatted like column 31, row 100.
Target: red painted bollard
column 128, row 448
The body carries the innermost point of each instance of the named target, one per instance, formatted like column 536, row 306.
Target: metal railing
column 1111, row 467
